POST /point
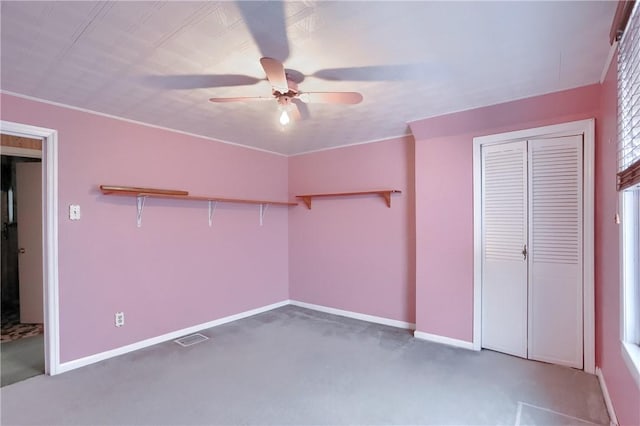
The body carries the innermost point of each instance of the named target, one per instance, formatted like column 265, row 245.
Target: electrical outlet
column 119, row 319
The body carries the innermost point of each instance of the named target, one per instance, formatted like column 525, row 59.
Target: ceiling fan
column 286, row 93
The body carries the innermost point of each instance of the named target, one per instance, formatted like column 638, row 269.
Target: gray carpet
column 21, row 359
column 293, row 366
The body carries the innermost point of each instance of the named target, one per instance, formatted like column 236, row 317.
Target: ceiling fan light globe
column 284, row 118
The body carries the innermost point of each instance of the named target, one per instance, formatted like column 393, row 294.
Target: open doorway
column 22, row 352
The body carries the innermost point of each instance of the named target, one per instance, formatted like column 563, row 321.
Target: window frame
column 628, row 184
column 630, row 277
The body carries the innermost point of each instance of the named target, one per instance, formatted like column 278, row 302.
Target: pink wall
column 444, row 199
column 354, row 253
column 175, row 271
column 622, row 388
column 444, row 219
column 412, row 262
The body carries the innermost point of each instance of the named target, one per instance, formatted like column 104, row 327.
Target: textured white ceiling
column 160, row 62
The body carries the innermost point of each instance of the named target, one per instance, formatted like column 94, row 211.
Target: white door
column 504, row 271
column 29, row 219
column 555, row 260
column 532, row 249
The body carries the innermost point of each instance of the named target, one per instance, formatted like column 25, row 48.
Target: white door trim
column 50, row 235
column 582, row 127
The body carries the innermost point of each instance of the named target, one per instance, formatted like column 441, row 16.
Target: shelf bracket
column 263, row 210
column 387, row 197
column 307, row 201
column 140, row 206
column 212, row 210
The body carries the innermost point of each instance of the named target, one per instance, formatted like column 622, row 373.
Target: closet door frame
column 586, row 128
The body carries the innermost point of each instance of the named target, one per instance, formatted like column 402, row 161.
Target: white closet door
column 504, row 281
column 555, row 264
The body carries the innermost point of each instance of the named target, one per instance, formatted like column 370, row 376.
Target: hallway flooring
column 12, row 329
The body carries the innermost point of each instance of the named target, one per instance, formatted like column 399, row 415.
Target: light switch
column 74, row 212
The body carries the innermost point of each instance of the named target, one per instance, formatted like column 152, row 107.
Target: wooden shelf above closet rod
column 384, row 193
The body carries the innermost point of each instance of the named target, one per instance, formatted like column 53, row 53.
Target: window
column 631, row 268
column 629, row 186
column 631, row 264
column 631, row 279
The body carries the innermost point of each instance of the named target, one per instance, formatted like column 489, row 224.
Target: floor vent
column 191, row 339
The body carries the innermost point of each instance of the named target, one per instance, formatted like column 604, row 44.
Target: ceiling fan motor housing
column 291, row 93
column 284, row 99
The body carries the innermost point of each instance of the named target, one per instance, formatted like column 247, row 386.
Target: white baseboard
column 607, row 397
column 355, row 315
column 91, row 359
column 444, row 340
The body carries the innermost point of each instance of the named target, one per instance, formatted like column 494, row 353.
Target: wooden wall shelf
column 384, row 193
column 134, row 190
column 143, row 193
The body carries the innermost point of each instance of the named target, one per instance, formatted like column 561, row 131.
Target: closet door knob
column 21, row 251
column 524, row 252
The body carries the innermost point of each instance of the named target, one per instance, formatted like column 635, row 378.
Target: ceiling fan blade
column 331, row 97
column 267, row 23
column 294, row 112
column 395, row 72
column 198, row 81
column 303, row 109
column 275, row 74
column 241, row 99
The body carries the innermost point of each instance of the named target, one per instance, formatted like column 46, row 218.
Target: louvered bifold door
column 555, row 263
column 504, row 236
